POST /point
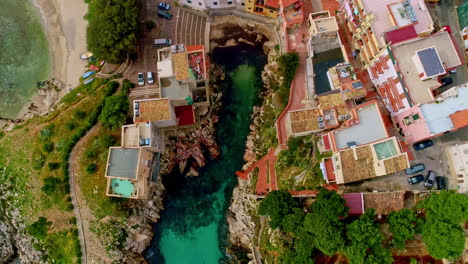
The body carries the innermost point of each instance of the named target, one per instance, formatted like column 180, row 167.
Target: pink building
column 291, row 13
column 448, row 112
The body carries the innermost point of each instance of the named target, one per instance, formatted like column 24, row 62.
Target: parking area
column 190, row 27
column 433, row 158
column 185, row 26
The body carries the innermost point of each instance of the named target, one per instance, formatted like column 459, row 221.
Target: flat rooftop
column 369, row 129
column 173, row 89
column 123, row 162
column 151, row 110
column 420, row 91
column 197, row 64
column 383, row 21
column 438, row 115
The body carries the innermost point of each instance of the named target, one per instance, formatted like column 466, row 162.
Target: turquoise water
column 193, row 227
column 24, row 54
column 122, row 187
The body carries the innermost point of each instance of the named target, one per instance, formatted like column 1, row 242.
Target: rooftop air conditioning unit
column 320, row 119
column 321, row 125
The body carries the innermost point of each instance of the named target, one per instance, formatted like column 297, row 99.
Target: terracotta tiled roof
column 395, row 164
column 357, row 169
column 330, row 99
column 286, row 3
column 460, row 118
column 180, row 65
column 304, row 120
column 153, row 110
column 384, row 202
column 272, row 3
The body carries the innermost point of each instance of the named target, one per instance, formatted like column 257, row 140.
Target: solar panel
column 430, row 62
column 357, row 85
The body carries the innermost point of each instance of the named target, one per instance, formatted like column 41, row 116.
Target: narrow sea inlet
column 193, row 227
column 24, row 55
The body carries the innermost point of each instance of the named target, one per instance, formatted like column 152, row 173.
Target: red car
column 447, row 28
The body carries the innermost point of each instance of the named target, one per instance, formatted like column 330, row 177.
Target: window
column 229, row 2
column 189, row 1
column 199, row 3
column 215, row 3
column 271, row 11
column 415, row 117
column 243, row 4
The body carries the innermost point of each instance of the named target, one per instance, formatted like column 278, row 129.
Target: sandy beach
column 65, row 28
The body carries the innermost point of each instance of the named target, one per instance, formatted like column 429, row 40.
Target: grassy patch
column 93, row 185
column 266, row 129
column 34, row 169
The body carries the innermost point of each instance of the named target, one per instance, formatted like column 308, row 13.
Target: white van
column 149, row 77
column 162, row 42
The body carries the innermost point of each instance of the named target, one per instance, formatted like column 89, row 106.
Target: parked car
column 162, row 42
column 149, row 76
column 430, row 179
column 141, row 79
column 423, row 144
column 440, row 183
column 164, row 6
column 416, row 179
column 446, row 81
column 415, row 168
column 164, row 14
column 448, row 29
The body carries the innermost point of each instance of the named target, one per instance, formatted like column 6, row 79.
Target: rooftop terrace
column 391, row 14
column 368, row 128
column 419, row 90
column 123, row 162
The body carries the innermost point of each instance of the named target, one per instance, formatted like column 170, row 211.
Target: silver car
column 141, row 79
column 430, row 179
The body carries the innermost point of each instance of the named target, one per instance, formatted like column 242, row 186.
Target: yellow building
column 268, row 8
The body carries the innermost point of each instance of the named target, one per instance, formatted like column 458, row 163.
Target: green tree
column 39, row 228
column 447, row 206
column 292, row 223
column 301, row 253
column 324, row 224
column 114, row 112
column 402, row 225
column 50, row 185
column 365, row 241
column 277, row 205
column 443, row 240
column 112, row 28
column 288, row 64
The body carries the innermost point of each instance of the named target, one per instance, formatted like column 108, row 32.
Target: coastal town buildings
column 214, row 4
column 457, row 157
column 448, row 112
column 268, row 8
column 382, row 202
column 291, row 13
column 371, row 25
column 129, row 171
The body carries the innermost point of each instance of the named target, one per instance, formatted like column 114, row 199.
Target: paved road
column 190, row 28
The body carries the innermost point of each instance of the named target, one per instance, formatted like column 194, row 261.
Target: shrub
column 70, row 207
column 126, row 86
column 53, row 165
column 39, row 228
column 38, row 162
column 111, row 88
column 114, row 112
column 149, row 24
column 70, row 125
column 2, row 134
column 91, row 168
column 104, row 141
column 79, row 114
column 90, row 153
column 46, row 133
column 48, row 147
column 50, row 185
column 176, row 3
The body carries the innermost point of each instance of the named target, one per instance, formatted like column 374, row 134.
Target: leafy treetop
column 277, row 205
column 447, row 206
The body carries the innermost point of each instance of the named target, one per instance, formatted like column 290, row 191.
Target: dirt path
column 93, row 252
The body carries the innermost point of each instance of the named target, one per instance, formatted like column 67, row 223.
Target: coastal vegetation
column 298, row 167
column 112, row 31
column 303, row 233
column 287, row 67
column 39, row 194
